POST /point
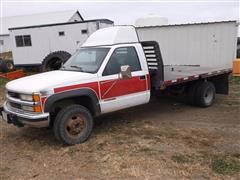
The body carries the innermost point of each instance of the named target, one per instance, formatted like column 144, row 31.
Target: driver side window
column 120, row 57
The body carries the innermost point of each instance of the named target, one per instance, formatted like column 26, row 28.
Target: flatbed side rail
column 196, row 77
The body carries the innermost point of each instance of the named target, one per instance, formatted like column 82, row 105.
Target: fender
column 70, row 94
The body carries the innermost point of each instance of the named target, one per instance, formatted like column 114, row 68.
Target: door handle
column 142, row 77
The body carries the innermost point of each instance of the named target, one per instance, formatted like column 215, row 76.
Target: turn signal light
column 36, row 98
column 37, row 109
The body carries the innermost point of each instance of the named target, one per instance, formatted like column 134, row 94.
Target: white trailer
column 48, row 46
column 210, row 44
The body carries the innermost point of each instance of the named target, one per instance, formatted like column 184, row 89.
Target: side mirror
column 125, row 72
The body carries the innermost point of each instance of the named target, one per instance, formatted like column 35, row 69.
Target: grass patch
column 180, row 158
column 221, row 164
column 225, row 165
column 149, row 151
column 234, row 79
column 2, row 82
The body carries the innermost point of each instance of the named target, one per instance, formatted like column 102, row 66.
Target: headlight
column 30, row 97
column 26, row 97
column 35, row 98
column 27, row 108
column 36, row 108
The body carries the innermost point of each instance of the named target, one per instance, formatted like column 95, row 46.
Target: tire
column 2, row 66
column 205, row 94
column 54, row 60
column 6, row 66
column 10, row 65
column 191, row 93
column 73, row 125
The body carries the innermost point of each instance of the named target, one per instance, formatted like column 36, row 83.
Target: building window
column 84, row 31
column 1, row 42
column 24, row 40
column 61, row 33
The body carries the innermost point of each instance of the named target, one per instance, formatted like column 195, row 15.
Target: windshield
column 86, row 60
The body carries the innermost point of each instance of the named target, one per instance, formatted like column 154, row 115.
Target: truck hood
column 49, row 80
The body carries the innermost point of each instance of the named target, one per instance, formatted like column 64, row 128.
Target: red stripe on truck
column 112, row 88
column 92, row 85
column 120, row 87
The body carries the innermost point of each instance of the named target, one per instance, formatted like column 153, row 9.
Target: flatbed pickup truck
column 111, row 71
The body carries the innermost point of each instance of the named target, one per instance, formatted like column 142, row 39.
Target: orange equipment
column 236, row 67
column 12, row 75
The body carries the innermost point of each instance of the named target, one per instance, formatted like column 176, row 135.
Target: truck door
column 118, row 93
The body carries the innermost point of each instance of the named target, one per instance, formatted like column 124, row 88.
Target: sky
column 126, row 12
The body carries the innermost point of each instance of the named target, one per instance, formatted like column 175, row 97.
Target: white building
column 32, row 20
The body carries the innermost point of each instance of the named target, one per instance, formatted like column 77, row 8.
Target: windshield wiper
column 63, row 67
column 77, row 67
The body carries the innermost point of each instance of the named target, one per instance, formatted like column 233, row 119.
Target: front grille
column 13, row 94
column 16, row 96
column 16, row 104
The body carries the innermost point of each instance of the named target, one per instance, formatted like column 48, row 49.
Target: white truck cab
column 112, row 70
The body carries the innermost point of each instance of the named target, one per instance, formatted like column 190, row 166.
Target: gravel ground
column 165, row 139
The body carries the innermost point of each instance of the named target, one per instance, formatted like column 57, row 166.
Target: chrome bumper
column 21, row 118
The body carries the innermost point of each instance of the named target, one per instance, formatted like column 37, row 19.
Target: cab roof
column 112, row 35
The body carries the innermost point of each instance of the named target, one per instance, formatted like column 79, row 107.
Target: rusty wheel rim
column 75, row 125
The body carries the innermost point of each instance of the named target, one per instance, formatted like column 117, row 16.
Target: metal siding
column 209, row 45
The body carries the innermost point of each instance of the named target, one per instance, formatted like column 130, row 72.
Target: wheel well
column 85, row 101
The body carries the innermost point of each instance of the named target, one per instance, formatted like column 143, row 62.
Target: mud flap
column 221, row 83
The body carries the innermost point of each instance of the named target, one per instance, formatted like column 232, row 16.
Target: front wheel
column 73, row 125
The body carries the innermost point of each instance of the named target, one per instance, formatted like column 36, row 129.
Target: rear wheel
column 73, row 125
column 201, row 94
column 205, row 94
column 191, row 93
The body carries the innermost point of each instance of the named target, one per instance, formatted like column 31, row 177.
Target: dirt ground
column 165, row 139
